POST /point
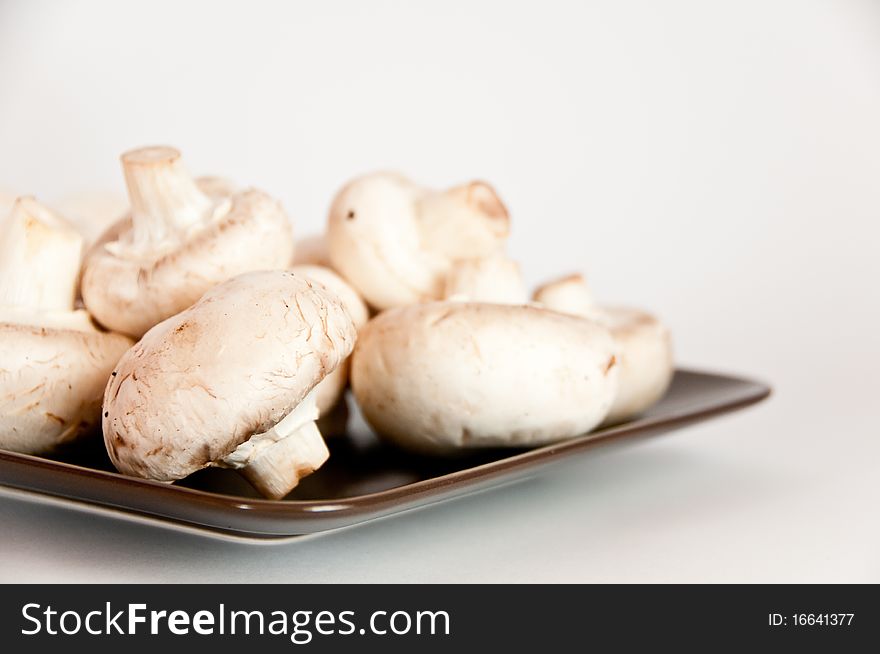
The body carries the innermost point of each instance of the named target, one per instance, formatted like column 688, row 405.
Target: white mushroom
column 181, row 241
column 395, row 242
column 330, row 390
column 230, row 382
column 646, row 362
column 346, row 293
column 494, row 279
column 54, row 362
column 448, row 376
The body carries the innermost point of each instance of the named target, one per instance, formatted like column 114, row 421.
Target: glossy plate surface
column 364, row 479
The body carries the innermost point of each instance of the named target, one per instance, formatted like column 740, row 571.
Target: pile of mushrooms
column 246, row 340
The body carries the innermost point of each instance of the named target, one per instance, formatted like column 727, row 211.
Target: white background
column 717, row 162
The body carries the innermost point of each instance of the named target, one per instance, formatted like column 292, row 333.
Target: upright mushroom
column 230, row 382
column 182, row 240
column 646, row 363
column 54, row 362
column 395, row 241
column 443, row 377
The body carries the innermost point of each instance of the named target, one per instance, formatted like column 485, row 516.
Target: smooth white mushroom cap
column 234, row 366
column 395, row 241
column 54, row 362
column 181, row 241
column 646, row 357
column 446, row 376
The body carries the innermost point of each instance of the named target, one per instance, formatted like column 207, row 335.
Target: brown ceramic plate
column 364, row 479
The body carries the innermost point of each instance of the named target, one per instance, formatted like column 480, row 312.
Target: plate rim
column 376, row 504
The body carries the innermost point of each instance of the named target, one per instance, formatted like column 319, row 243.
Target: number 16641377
column 810, row 619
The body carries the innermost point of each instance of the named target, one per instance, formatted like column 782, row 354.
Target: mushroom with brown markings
column 230, row 382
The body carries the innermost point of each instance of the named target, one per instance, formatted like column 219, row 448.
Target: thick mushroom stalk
column 165, row 200
column 274, row 461
column 39, row 268
column 182, row 237
column 395, row 241
column 463, row 222
column 39, row 259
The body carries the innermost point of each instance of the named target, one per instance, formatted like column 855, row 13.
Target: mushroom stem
column 274, row 461
column 165, row 200
column 276, row 470
column 464, row 222
column 39, row 260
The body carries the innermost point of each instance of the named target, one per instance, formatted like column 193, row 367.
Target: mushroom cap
column 231, row 366
column 51, row 383
column 394, row 241
column 646, row 360
column 374, row 241
column 131, row 294
column 330, row 390
column 350, row 298
column 446, row 376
